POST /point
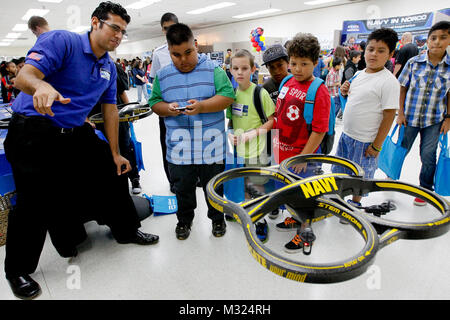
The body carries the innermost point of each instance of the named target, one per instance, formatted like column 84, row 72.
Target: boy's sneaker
column 219, row 228
column 288, row 224
column 183, row 231
column 135, row 186
column 262, row 230
column 253, row 191
column 295, row 245
column 419, row 202
column 274, row 214
column 354, row 204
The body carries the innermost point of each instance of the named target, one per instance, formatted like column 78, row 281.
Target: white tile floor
column 209, row 268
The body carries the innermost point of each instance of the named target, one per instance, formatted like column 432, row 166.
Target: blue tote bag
column 162, row 205
column 137, row 149
column 234, row 189
column 442, row 174
column 393, row 155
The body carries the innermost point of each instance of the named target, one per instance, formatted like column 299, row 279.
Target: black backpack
column 262, row 115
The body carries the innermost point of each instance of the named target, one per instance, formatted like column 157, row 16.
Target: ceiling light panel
column 51, row 1
column 256, row 13
column 217, row 6
column 35, row 12
column 141, row 4
column 13, row 35
column 20, row 27
column 317, row 2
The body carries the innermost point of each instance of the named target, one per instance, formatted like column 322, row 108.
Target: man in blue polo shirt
column 54, row 153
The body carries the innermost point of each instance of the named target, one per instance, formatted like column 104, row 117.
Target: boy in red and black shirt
column 293, row 136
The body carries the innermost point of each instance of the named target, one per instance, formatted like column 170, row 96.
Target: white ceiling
column 144, row 22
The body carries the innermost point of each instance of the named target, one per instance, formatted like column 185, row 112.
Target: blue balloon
column 263, row 48
column 261, row 44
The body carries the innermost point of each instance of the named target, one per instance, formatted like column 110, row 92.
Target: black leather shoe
column 219, row 228
column 24, row 287
column 140, row 238
column 183, row 231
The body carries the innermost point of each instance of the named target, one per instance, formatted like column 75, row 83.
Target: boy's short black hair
column 179, row 33
column 101, row 12
column 304, row 45
column 244, row 54
column 441, row 25
column 168, row 16
column 387, row 35
column 36, row 21
column 354, row 54
column 336, row 61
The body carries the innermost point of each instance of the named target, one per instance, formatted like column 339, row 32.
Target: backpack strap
column 285, row 79
column 309, row 101
column 258, row 104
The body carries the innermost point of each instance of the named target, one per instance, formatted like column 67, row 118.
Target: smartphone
column 181, row 108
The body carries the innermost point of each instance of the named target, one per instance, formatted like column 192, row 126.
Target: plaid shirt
column 332, row 78
column 428, row 85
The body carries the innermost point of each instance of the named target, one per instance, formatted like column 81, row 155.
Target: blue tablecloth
column 6, row 177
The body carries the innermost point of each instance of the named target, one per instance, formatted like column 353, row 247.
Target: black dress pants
column 63, row 179
column 126, row 147
column 162, row 139
column 185, row 179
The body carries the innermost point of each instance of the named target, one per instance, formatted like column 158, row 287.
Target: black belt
column 39, row 124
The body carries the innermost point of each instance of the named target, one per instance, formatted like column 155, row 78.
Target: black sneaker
column 288, row 224
column 274, row 214
column 135, row 186
column 219, row 228
column 252, row 191
column 295, row 245
column 262, row 230
column 183, row 231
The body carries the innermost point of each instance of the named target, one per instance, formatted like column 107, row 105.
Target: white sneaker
column 136, row 186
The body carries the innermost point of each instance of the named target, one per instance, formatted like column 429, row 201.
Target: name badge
column 239, row 109
column 105, row 74
column 283, row 92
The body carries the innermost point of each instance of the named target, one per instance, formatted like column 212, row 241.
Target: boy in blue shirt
column 191, row 94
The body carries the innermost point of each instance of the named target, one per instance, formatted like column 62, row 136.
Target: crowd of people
column 51, row 142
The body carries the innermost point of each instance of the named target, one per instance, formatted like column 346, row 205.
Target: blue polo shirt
column 69, row 65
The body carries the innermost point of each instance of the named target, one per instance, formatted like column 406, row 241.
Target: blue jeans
column 142, row 89
column 429, row 138
column 337, row 105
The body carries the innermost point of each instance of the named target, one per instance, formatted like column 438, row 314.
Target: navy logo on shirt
column 105, row 74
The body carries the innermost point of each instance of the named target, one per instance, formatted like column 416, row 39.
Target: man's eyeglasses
column 115, row 28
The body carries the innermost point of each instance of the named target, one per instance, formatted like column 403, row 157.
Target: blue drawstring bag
column 442, row 174
column 233, row 190
column 162, row 205
column 100, row 135
column 137, row 149
column 393, row 155
column 343, row 99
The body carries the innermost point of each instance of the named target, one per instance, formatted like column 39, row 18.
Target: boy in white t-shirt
column 373, row 98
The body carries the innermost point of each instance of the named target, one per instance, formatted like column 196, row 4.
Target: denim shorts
column 354, row 150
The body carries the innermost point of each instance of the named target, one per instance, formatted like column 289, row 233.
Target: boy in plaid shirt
column 424, row 101
column 333, row 82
